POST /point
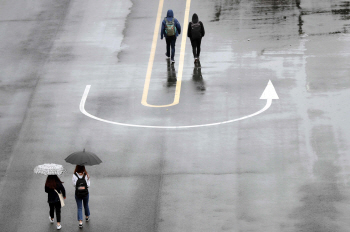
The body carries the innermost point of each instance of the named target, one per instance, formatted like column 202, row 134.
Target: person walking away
column 195, row 32
column 53, row 184
column 81, row 182
column 171, row 28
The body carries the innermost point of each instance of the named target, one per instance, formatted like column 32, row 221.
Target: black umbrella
column 83, row 158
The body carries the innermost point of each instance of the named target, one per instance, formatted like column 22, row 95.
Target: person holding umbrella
column 54, row 188
column 81, row 182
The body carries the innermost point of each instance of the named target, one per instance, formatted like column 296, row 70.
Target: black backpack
column 81, row 188
column 196, row 31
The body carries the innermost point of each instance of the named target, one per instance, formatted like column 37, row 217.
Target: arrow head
column 269, row 92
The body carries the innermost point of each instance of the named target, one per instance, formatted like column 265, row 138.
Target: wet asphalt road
column 286, row 169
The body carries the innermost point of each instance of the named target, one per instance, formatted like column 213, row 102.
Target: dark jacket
column 170, row 16
column 194, row 20
column 52, row 196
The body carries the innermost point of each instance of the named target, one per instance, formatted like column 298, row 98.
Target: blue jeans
column 170, row 41
column 80, row 202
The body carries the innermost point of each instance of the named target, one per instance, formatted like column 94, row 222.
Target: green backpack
column 170, row 28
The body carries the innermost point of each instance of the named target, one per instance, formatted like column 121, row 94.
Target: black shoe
column 167, row 57
column 81, row 225
column 87, row 219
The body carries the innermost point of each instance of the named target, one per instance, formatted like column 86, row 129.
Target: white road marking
column 269, row 94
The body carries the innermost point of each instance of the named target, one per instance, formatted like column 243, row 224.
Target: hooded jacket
column 170, row 16
column 194, row 20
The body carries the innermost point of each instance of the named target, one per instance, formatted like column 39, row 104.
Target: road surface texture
column 286, row 169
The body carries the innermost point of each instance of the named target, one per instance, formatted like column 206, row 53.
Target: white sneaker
column 80, row 225
column 172, row 61
column 59, row 226
column 51, row 220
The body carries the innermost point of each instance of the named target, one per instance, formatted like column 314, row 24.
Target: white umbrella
column 49, row 169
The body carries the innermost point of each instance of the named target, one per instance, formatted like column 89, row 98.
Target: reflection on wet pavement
column 197, row 77
column 342, row 9
column 268, row 13
column 297, row 2
column 305, row 48
column 320, row 196
column 171, row 78
column 224, row 8
column 279, row 172
column 300, row 24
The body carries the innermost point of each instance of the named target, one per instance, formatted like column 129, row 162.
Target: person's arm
column 189, row 32
column 162, row 30
column 74, row 180
column 178, row 26
column 87, row 181
column 203, row 32
column 63, row 191
column 46, row 189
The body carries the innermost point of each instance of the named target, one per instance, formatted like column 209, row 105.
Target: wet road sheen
column 286, row 169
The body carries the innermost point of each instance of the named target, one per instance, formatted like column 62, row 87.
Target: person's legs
column 193, row 44
column 52, row 210
column 173, row 41
column 168, row 42
column 198, row 45
column 58, row 212
column 80, row 208
column 86, row 205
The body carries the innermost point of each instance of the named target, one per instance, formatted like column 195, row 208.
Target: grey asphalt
column 287, row 169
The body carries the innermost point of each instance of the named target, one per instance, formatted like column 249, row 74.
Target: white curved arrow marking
column 268, row 94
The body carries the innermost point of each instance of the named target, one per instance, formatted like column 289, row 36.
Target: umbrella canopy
column 83, row 158
column 49, row 169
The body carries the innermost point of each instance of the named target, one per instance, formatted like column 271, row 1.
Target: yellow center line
column 153, row 51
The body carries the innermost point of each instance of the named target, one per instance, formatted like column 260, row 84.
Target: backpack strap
column 85, row 180
column 76, row 175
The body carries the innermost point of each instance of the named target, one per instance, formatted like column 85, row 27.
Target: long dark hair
column 52, row 180
column 81, row 169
